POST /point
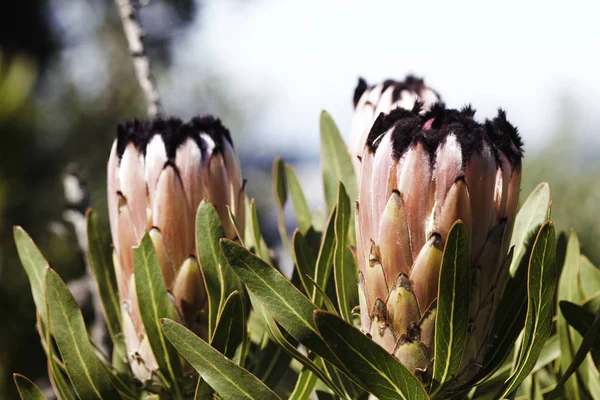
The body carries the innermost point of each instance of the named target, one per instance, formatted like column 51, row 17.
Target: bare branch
column 141, row 63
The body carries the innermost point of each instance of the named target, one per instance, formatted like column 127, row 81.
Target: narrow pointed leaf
column 532, row 214
column 325, row 259
column 280, row 194
column 588, row 327
column 301, row 208
column 35, row 266
column 100, row 256
column 287, row 305
column 335, row 162
column 27, row 389
column 88, row 375
column 304, row 385
column 570, row 339
column 377, row 370
column 304, row 260
column 452, row 307
column 540, row 293
column 154, row 304
column 229, row 380
column 344, row 264
column 231, row 326
column 209, row 230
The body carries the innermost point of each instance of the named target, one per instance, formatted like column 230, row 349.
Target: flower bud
column 371, row 101
column 421, row 172
column 158, row 173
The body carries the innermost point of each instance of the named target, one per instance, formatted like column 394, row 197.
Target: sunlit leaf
column 88, row 375
column 377, row 370
column 100, row 256
column 27, row 389
column 452, row 308
column 229, row 380
column 532, row 214
column 344, row 263
column 301, row 208
column 325, row 259
column 336, row 163
column 154, row 304
column 540, row 293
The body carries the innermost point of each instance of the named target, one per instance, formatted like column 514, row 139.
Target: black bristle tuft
column 361, row 87
column 173, row 132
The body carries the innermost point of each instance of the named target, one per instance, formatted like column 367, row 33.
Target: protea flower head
column 158, row 173
column 370, row 101
column 421, row 172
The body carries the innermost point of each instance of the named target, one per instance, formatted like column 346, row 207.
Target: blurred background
column 267, row 68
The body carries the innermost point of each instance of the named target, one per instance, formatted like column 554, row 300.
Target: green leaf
column 377, row 370
column 209, row 230
column 231, row 326
column 580, row 319
column 229, row 380
column 588, row 325
column 569, row 290
column 301, row 208
column 304, row 385
column 531, row 216
column 452, row 308
column 154, row 304
column 589, row 280
column 286, row 304
column 540, row 294
column 280, row 339
column 88, row 375
column 304, row 260
column 35, row 266
column 100, row 256
column 27, row 389
column 325, row 259
column 335, row 162
column 344, row 263
column 280, row 194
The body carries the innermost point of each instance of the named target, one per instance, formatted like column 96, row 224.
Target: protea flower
column 158, row 173
column 421, row 172
column 371, row 101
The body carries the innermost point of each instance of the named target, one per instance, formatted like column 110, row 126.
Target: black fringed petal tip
column 433, row 127
column 174, row 133
column 411, row 83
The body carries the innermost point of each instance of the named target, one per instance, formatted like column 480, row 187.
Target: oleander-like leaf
column 304, row 385
column 570, row 339
column 325, row 259
column 284, row 301
column 209, row 230
column 100, row 257
column 588, row 326
column 231, row 326
column 154, row 304
column 27, row 389
column 452, row 308
column 344, row 263
column 301, row 208
column 336, row 163
column 312, row 365
column 35, row 266
column 377, row 370
column 280, row 194
column 228, row 379
column 89, row 376
column 540, row 294
column 532, row 214
column 304, row 260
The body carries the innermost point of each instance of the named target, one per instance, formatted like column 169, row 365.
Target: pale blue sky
column 303, row 56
